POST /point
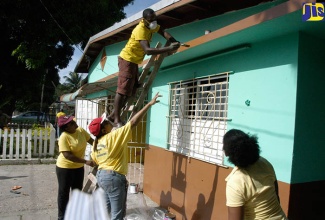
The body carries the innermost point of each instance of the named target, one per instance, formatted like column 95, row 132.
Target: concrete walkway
column 38, row 196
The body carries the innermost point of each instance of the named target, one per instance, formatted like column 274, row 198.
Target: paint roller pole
column 185, row 45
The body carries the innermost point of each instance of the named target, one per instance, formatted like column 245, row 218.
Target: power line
column 63, row 17
column 59, row 26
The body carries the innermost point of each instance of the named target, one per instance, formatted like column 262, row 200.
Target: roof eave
column 160, row 8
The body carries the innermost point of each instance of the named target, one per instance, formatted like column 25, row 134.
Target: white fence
column 26, row 144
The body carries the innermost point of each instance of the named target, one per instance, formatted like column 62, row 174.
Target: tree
column 21, row 88
column 47, row 29
column 40, row 35
column 73, row 81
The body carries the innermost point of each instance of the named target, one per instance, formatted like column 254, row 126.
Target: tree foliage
column 72, row 83
column 37, row 36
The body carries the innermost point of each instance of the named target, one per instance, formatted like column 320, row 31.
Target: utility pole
column 42, row 93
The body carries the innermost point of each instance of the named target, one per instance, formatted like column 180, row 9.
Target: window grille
column 198, row 117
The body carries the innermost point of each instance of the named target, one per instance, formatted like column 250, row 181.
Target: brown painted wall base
column 189, row 188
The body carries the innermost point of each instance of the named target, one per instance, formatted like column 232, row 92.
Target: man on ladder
column 127, row 85
column 133, row 54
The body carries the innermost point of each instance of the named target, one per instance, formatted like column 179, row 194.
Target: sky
column 138, row 5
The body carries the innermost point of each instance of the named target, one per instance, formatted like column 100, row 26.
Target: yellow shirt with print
column 112, row 150
column 75, row 143
column 133, row 51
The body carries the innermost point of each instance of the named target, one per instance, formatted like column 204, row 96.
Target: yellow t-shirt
column 112, row 150
column 133, row 51
column 253, row 187
column 76, row 143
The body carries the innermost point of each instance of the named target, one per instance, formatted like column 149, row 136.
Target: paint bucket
column 133, row 188
column 158, row 215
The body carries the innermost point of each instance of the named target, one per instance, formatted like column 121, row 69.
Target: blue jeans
column 115, row 187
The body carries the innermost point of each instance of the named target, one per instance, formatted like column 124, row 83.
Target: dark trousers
column 67, row 179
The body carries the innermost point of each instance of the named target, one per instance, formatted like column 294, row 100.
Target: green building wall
column 309, row 142
column 96, row 72
column 286, row 100
column 198, row 28
column 265, row 75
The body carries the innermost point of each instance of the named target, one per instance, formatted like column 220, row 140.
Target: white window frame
column 198, row 117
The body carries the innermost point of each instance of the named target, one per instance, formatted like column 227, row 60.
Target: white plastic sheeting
column 84, row 206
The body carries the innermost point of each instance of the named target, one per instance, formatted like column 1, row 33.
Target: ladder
column 145, row 79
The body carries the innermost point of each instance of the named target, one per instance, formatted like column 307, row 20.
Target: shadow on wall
column 264, row 131
column 179, row 185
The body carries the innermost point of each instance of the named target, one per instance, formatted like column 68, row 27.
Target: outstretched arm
column 139, row 115
column 167, row 36
column 153, row 51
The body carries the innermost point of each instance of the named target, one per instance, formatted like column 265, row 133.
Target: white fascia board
column 156, row 7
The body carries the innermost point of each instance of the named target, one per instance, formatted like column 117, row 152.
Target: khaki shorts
column 127, row 78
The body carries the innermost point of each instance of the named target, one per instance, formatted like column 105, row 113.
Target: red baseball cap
column 94, row 126
column 63, row 120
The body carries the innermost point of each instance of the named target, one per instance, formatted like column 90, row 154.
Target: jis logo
column 313, row 12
